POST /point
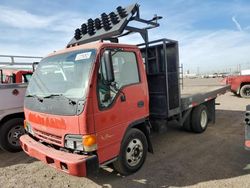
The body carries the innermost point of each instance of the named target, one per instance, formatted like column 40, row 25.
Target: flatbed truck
column 94, row 103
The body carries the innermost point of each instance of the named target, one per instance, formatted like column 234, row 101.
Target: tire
column 134, row 143
column 199, row 119
column 245, row 91
column 10, row 132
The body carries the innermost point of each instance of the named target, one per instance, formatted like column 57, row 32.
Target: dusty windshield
column 65, row 74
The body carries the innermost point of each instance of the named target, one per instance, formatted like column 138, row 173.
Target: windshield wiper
column 60, row 95
column 40, row 99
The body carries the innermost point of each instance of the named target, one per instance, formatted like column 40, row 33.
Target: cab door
column 120, row 103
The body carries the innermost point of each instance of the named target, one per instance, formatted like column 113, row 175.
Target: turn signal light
column 25, row 124
column 89, row 140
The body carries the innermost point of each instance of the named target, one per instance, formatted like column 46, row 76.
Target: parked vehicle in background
column 91, row 104
column 14, row 81
column 10, row 76
column 245, row 72
column 240, row 85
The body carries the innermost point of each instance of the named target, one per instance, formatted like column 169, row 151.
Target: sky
column 213, row 35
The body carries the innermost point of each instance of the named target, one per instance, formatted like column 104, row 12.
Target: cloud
column 23, row 19
column 237, row 23
column 215, row 51
column 26, row 33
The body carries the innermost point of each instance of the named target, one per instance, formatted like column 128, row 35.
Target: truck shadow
column 9, row 159
column 181, row 158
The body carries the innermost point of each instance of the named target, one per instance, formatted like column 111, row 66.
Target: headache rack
column 163, row 77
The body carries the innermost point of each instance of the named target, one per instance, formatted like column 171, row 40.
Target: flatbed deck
column 193, row 95
column 190, row 90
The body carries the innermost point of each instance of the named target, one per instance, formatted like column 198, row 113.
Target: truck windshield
column 64, row 74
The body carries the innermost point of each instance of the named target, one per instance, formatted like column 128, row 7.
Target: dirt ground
column 216, row 158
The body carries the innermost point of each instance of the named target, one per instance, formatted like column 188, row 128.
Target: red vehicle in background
column 8, row 76
column 240, row 85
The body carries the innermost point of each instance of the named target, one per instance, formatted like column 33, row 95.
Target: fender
column 144, row 126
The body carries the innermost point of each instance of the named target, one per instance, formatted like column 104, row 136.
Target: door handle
column 140, row 104
column 123, row 98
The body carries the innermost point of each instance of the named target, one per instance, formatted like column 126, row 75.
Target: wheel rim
column 14, row 135
column 247, row 92
column 203, row 119
column 134, row 152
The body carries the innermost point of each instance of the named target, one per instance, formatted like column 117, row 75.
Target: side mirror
column 34, row 65
column 108, row 65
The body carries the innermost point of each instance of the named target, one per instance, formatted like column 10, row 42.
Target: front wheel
column 133, row 152
column 245, row 91
column 10, row 132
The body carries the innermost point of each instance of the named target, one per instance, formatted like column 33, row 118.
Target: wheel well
column 243, row 83
column 144, row 126
column 141, row 126
column 11, row 116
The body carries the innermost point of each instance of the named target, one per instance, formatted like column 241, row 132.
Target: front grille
column 47, row 137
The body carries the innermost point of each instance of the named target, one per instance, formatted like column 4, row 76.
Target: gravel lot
column 216, row 158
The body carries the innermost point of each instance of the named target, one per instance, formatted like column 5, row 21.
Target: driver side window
column 125, row 72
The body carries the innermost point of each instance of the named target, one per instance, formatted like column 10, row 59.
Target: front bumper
column 74, row 164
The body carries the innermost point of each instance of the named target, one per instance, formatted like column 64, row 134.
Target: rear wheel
column 245, row 91
column 133, row 152
column 199, row 119
column 10, row 132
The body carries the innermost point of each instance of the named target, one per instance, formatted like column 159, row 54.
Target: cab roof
column 93, row 45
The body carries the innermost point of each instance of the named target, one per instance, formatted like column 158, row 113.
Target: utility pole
column 198, row 71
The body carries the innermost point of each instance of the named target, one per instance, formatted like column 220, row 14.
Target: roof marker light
column 114, row 18
column 91, row 29
column 78, row 34
column 98, row 24
column 84, row 29
column 105, row 21
column 122, row 12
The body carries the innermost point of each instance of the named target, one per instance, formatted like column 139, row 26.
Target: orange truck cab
column 91, row 104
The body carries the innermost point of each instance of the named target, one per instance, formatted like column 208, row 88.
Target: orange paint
column 53, row 122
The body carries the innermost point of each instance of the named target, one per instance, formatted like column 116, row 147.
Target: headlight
column 81, row 143
column 28, row 127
